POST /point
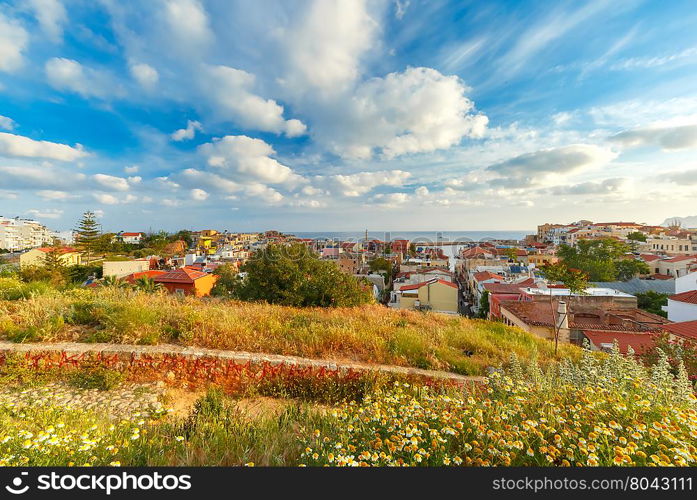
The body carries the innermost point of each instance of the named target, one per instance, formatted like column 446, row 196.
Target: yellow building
column 542, row 259
column 37, row 256
column 434, row 295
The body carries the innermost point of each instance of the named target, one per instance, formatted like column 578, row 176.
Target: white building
column 682, row 306
column 686, row 283
column 21, row 234
column 129, row 238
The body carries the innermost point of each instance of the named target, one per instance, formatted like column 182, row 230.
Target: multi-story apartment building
column 671, row 245
column 20, row 234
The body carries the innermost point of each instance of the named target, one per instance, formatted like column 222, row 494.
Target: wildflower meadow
column 599, row 412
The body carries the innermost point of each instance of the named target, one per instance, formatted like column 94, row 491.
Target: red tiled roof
column 628, row 224
column 539, row 313
column 183, row 275
column 430, row 282
column 509, row 288
column 649, row 257
column 686, row 329
column 131, row 234
column 61, row 249
column 474, row 251
column 639, row 341
column 658, row 276
column 131, row 278
column 518, row 251
column 689, row 297
column 487, row 275
column 681, row 258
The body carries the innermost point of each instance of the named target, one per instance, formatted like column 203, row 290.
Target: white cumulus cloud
column 231, row 94
column 51, row 15
column 111, row 182
column 187, row 133
column 144, row 74
column 69, row 75
column 49, row 213
column 243, row 159
column 198, row 194
column 415, row 111
column 20, row 146
column 352, row 185
column 13, row 41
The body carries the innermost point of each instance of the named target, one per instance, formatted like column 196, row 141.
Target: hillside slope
column 369, row 334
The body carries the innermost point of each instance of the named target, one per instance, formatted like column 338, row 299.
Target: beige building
column 675, row 266
column 540, row 260
column 436, row 295
column 669, row 245
column 119, row 269
column 37, row 256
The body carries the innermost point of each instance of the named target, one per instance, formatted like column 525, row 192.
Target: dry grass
column 369, row 333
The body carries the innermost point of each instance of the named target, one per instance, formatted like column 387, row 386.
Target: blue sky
column 341, row 115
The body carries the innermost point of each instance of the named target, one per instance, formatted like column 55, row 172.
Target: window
column 180, row 291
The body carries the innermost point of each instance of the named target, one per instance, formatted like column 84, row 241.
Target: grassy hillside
column 370, row 334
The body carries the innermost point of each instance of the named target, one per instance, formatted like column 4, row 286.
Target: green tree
column 113, row 281
column 183, row 235
column 383, row 266
column 87, row 234
column 573, row 279
column 653, row 302
column 293, row 275
column 511, row 254
column 54, row 264
column 148, row 285
column 79, row 273
column 483, row 311
column 629, row 268
column 104, row 243
column 228, row 281
column 635, row 238
column 53, row 260
column 598, row 259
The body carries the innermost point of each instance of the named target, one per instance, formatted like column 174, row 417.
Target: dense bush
column 293, row 275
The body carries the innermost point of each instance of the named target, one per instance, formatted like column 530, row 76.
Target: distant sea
column 416, row 236
column 461, row 237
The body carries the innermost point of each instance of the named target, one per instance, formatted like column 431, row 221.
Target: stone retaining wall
column 133, row 356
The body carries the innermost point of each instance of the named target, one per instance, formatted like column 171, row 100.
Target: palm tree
column 148, row 285
column 113, row 281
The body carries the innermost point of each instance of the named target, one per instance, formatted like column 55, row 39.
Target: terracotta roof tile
column 61, row 249
column 487, row 275
column 689, row 297
column 639, row 342
column 686, row 329
column 131, row 278
column 183, row 275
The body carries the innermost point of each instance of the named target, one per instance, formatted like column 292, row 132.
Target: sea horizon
column 426, row 236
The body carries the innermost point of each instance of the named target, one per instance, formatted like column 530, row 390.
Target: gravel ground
column 120, row 402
